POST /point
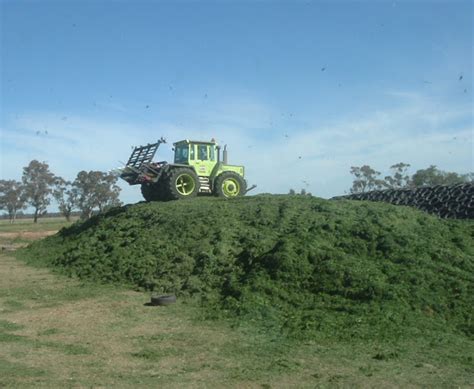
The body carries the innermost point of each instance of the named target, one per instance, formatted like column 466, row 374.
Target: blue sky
column 337, row 83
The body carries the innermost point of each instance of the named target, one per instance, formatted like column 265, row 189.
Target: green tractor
column 198, row 169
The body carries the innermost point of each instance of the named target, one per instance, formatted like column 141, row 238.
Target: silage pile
column 296, row 264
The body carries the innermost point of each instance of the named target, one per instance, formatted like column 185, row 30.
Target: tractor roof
column 212, row 142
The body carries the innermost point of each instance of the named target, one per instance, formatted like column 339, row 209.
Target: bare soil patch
column 30, row 235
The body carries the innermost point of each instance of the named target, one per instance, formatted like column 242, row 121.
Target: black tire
column 446, row 201
column 153, row 192
column 233, row 180
column 175, row 188
column 146, row 192
column 163, row 300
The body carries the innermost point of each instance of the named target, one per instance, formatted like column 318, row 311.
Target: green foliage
column 38, row 182
column 65, row 196
column 297, row 265
column 399, row 177
column 12, row 197
column 433, row 176
column 94, row 190
column 367, row 179
column 303, row 192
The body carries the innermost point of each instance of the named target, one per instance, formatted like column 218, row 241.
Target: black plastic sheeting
column 446, row 201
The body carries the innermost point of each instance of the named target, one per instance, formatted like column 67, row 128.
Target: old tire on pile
column 163, row 300
column 153, row 192
column 230, row 184
column 182, row 183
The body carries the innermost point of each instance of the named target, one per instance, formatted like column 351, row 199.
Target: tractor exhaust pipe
column 224, row 155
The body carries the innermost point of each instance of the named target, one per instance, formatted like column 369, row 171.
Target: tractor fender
column 181, row 165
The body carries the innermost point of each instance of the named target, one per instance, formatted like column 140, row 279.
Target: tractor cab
column 202, row 155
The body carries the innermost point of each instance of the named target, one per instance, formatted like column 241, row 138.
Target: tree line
column 96, row 191
column 302, row 192
column 367, row 178
column 90, row 192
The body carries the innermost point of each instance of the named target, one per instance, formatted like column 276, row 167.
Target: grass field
column 23, row 231
column 43, row 224
column 60, row 332
column 57, row 332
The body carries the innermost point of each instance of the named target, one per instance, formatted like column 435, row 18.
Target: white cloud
column 417, row 131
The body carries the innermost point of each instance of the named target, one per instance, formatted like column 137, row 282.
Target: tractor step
column 205, row 186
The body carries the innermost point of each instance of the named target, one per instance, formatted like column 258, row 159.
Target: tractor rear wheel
column 229, row 184
column 182, row 183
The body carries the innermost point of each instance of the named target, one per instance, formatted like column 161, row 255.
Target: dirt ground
column 10, row 241
column 89, row 337
column 30, row 235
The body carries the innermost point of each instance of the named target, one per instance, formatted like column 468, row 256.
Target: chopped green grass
column 300, row 267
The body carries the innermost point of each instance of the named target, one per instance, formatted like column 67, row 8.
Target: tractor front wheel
column 147, row 192
column 153, row 192
column 182, row 183
column 230, row 184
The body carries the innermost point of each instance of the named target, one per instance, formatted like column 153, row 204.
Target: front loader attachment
column 142, row 155
column 140, row 168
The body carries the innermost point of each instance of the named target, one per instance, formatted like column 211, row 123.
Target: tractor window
column 181, row 154
column 191, row 152
column 213, row 154
column 202, row 152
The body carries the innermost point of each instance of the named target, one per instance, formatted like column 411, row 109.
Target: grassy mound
column 301, row 265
